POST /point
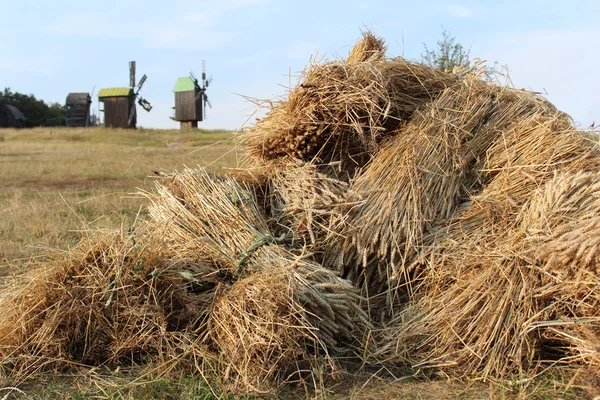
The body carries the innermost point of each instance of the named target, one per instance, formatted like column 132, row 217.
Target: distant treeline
column 37, row 112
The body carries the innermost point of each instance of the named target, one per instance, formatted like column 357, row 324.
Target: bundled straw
column 310, row 203
column 502, row 287
column 343, row 110
column 460, row 218
column 209, row 218
column 112, row 301
column 270, row 326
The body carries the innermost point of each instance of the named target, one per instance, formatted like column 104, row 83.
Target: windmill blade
column 141, row 83
column 206, row 101
column 132, row 74
column 145, row 104
column 208, row 82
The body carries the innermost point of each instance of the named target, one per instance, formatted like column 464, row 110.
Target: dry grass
column 436, row 161
column 485, row 300
column 55, row 184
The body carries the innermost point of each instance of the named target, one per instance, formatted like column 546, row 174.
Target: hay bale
column 341, row 111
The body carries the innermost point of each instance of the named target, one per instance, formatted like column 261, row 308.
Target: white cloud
column 459, row 11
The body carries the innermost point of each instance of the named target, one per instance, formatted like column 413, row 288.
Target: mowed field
column 58, row 184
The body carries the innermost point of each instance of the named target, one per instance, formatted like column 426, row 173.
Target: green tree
column 450, row 54
column 447, row 55
column 37, row 112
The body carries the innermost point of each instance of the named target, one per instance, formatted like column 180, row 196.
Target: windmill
column 119, row 103
column 77, row 107
column 191, row 99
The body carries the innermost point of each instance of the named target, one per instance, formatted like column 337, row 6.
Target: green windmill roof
column 184, row 84
column 114, row 92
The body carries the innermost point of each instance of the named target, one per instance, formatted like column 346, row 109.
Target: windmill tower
column 191, row 99
column 78, row 107
column 119, row 103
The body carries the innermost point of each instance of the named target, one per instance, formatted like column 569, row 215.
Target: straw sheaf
column 494, row 298
column 367, row 48
column 113, row 301
column 341, row 111
column 209, row 218
column 270, row 326
column 436, row 161
column 311, row 204
column 459, row 218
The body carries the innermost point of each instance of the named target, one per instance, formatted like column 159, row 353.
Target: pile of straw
column 112, row 301
column 342, row 111
column 395, row 215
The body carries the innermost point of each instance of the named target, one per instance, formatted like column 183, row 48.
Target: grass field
column 56, row 184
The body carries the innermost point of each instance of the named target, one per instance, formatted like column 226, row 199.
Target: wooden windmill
column 119, row 103
column 78, row 107
column 191, row 99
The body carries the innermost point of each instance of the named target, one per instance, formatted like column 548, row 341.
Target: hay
column 113, row 301
column 505, row 291
column 311, row 204
column 367, row 48
column 392, row 214
column 341, row 111
column 269, row 328
column 209, row 218
column 437, row 161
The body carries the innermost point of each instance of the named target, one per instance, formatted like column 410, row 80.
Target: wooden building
column 78, row 109
column 11, row 117
column 119, row 107
column 188, row 103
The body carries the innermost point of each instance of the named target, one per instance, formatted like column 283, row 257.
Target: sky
column 256, row 48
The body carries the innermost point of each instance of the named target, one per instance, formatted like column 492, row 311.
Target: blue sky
column 52, row 48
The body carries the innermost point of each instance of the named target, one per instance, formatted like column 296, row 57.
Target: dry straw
column 271, row 326
column 431, row 166
column 510, row 281
column 113, row 301
column 342, row 110
column 311, row 204
column 458, row 217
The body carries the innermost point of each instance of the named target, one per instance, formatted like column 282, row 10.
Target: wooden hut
column 78, row 109
column 119, row 107
column 11, row 117
column 188, row 103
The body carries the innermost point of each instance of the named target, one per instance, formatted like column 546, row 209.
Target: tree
column 450, row 54
column 447, row 55
column 37, row 112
